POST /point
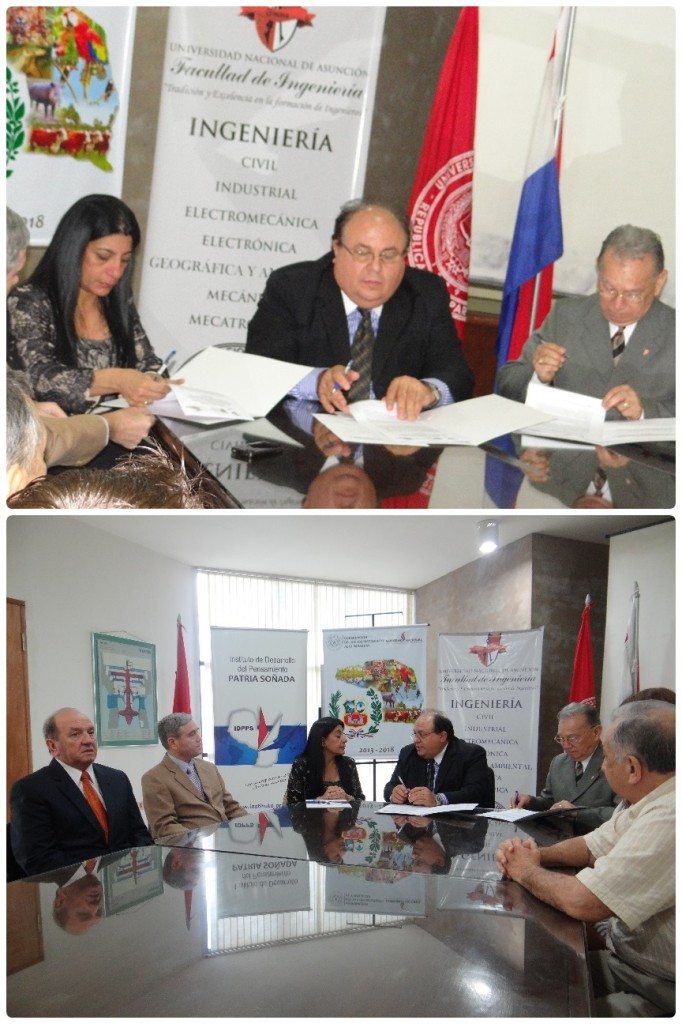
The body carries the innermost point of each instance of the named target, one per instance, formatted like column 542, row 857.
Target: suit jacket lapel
column 596, row 340
column 394, row 316
column 333, row 316
column 645, row 341
column 181, row 777
column 72, row 793
column 592, row 772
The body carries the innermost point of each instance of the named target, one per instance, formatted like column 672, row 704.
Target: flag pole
column 559, row 118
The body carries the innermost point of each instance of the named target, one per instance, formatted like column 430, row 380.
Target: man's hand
column 563, row 805
column 331, row 385
column 510, row 855
column 399, row 795
column 535, row 464
column 625, row 400
column 421, row 796
column 51, row 409
column 127, row 427
column 610, row 460
column 409, row 395
column 328, row 443
column 548, row 359
column 522, row 801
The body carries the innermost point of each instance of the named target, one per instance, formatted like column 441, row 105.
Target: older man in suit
column 618, row 344
column 439, row 768
column 73, row 809
column 184, row 792
column 575, row 776
column 370, row 326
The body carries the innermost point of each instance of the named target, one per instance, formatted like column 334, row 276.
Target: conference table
column 509, row 472
column 298, row 912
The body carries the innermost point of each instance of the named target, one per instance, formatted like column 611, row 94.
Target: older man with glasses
column 439, row 768
column 370, row 326
column 575, row 776
column 617, row 344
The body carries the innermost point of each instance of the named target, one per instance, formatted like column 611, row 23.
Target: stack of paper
column 222, row 385
column 466, row 423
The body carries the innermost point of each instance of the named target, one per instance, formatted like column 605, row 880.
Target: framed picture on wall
column 124, row 676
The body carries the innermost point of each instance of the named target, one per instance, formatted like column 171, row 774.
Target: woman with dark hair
column 322, row 771
column 73, row 325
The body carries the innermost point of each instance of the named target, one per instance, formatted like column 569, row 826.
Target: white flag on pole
column 630, row 678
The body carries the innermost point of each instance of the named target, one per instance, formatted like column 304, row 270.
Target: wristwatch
column 436, row 395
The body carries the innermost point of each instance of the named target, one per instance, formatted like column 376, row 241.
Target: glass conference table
column 297, row 913
column 313, row 469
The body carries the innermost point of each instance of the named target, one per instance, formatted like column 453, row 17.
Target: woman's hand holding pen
column 331, row 385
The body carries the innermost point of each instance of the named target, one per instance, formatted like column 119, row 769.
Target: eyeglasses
column 633, row 297
column 418, row 735
column 363, row 255
column 566, row 740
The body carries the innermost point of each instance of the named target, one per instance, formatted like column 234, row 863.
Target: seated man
column 73, row 809
column 183, row 792
column 627, row 867
column 618, row 344
column 371, row 327
column 438, row 768
column 575, row 776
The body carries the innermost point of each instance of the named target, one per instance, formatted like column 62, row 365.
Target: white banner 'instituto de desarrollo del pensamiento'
column 489, row 686
column 374, row 680
column 262, row 134
column 259, row 709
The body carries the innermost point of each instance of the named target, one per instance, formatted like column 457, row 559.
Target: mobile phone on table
column 251, row 451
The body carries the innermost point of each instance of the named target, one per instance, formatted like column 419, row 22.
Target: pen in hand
column 164, row 365
column 516, row 798
column 337, row 387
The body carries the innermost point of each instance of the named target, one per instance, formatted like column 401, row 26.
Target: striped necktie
column 617, row 345
column 361, row 350
column 430, row 773
column 194, row 777
column 578, row 771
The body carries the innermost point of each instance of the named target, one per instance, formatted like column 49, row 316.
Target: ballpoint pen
column 347, row 367
column 164, row 365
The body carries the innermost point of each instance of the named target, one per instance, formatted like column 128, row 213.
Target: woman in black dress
column 322, row 771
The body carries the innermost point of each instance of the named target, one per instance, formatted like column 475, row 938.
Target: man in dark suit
column 575, row 776
column 618, row 344
column 361, row 303
column 73, row 809
column 439, row 768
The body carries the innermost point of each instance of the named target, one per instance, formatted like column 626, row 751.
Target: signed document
column 581, row 418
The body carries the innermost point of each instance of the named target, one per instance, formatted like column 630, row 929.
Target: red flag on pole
column 181, row 698
column 582, row 683
column 440, row 205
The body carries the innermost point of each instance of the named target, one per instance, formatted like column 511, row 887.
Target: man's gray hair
column 171, row 726
column 23, row 427
column 577, row 708
column 646, row 730
column 354, row 206
column 630, row 243
column 17, row 238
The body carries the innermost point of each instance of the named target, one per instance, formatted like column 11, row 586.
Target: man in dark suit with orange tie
column 73, row 809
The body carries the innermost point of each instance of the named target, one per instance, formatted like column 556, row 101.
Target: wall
column 536, row 581
column 647, row 556
column 76, row 580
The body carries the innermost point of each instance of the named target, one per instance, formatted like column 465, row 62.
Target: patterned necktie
column 617, row 345
column 578, row 771
column 90, row 865
column 96, row 805
column 194, row 777
column 361, row 350
column 430, row 773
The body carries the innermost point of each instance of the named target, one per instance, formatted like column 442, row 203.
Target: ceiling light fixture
column 488, row 536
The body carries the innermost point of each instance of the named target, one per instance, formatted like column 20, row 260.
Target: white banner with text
column 374, row 680
column 489, row 686
column 262, row 135
column 259, row 709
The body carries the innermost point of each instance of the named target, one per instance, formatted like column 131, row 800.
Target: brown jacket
column 75, row 440
column 173, row 806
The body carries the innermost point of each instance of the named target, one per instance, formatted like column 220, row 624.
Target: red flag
column 582, row 683
column 181, row 699
column 440, row 205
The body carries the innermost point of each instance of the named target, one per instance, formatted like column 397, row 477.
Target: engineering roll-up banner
column 374, row 680
column 259, row 709
column 489, row 686
column 262, row 134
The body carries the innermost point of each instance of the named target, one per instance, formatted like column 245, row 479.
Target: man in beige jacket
column 183, row 792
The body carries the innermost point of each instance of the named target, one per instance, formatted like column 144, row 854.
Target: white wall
column 647, row 556
column 77, row 580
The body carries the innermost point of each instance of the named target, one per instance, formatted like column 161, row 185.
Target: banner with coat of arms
column 67, row 82
column 489, row 686
column 374, row 680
